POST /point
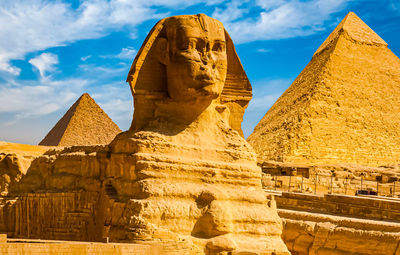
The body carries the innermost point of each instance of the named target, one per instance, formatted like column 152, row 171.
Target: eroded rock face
column 182, row 172
column 15, row 160
column 196, row 177
column 316, row 234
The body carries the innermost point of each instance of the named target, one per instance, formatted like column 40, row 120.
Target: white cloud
column 34, row 101
column 278, row 19
column 86, row 57
column 27, row 100
column 31, row 26
column 231, row 12
column 116, row 100
column 264, row 50
column 45, row 62
column 262, row 103
column 36, row 25
column 105, row 72
column 29, row 111
column 127, row 53
column 4, row 66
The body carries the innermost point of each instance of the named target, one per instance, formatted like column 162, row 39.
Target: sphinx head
column 190, row 61
column 194, row 55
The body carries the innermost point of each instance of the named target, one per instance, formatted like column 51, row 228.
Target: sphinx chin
column 211, row 91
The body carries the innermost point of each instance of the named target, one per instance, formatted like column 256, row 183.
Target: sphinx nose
column 207, row 54
column 205, row 59
column 208, row 58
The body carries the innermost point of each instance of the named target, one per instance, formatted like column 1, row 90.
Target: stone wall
column 53, row 216
column 351, row 206
column 32, row 246
column 338, row 224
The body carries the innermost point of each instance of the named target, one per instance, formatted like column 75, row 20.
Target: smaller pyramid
column 85, row 123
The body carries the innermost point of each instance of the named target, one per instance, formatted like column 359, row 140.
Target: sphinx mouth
column 206, row 78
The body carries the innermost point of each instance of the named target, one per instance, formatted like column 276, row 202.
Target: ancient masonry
column 344, row 107
column 339, row 224
column 336, row 129
column 182, row 176
column 85, row 123
column 15, row 160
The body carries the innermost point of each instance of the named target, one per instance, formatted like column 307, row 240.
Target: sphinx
column 182, row 172
column 196, row 176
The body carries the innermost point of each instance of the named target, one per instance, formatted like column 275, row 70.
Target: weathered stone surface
column 85, row 123
column 150, row 78
column 37, row 246
column 375, row 208
column 310, row 233
column 15, row 160
column 180, row 173
column 337, row 224
column 197, row 177
column 342, row 108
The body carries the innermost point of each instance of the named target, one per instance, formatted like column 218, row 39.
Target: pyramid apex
column 356, row 29
column 85, row 98
column 85, row 95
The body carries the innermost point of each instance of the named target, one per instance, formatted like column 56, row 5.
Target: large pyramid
column 85, row 123
column 344, row 107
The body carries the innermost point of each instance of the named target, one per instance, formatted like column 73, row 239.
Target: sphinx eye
column 219, row 46
column 200, row 45
column 189, row 44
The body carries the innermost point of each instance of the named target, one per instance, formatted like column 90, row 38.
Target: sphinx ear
column 163, row 50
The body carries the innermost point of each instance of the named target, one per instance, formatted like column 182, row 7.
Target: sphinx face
column 197, row 63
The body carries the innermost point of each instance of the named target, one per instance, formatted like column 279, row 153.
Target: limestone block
column 315, row 233
column 15, row 159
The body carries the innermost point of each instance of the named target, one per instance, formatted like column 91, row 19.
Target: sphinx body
column 196, row 177
column 196, row 186
column 182, row 172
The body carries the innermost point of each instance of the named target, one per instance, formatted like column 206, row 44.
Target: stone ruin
column 334, row 132
column 182, row 173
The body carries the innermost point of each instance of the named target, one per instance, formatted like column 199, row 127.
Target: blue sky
column 53, row 51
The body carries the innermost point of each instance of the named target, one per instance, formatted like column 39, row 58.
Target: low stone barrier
column 36, row 246
column 338, row 224
column 379, row 208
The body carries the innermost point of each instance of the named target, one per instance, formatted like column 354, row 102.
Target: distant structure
column 344, row 107
column 85, row 123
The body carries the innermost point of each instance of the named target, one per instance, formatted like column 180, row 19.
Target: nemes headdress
column 148, row 81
